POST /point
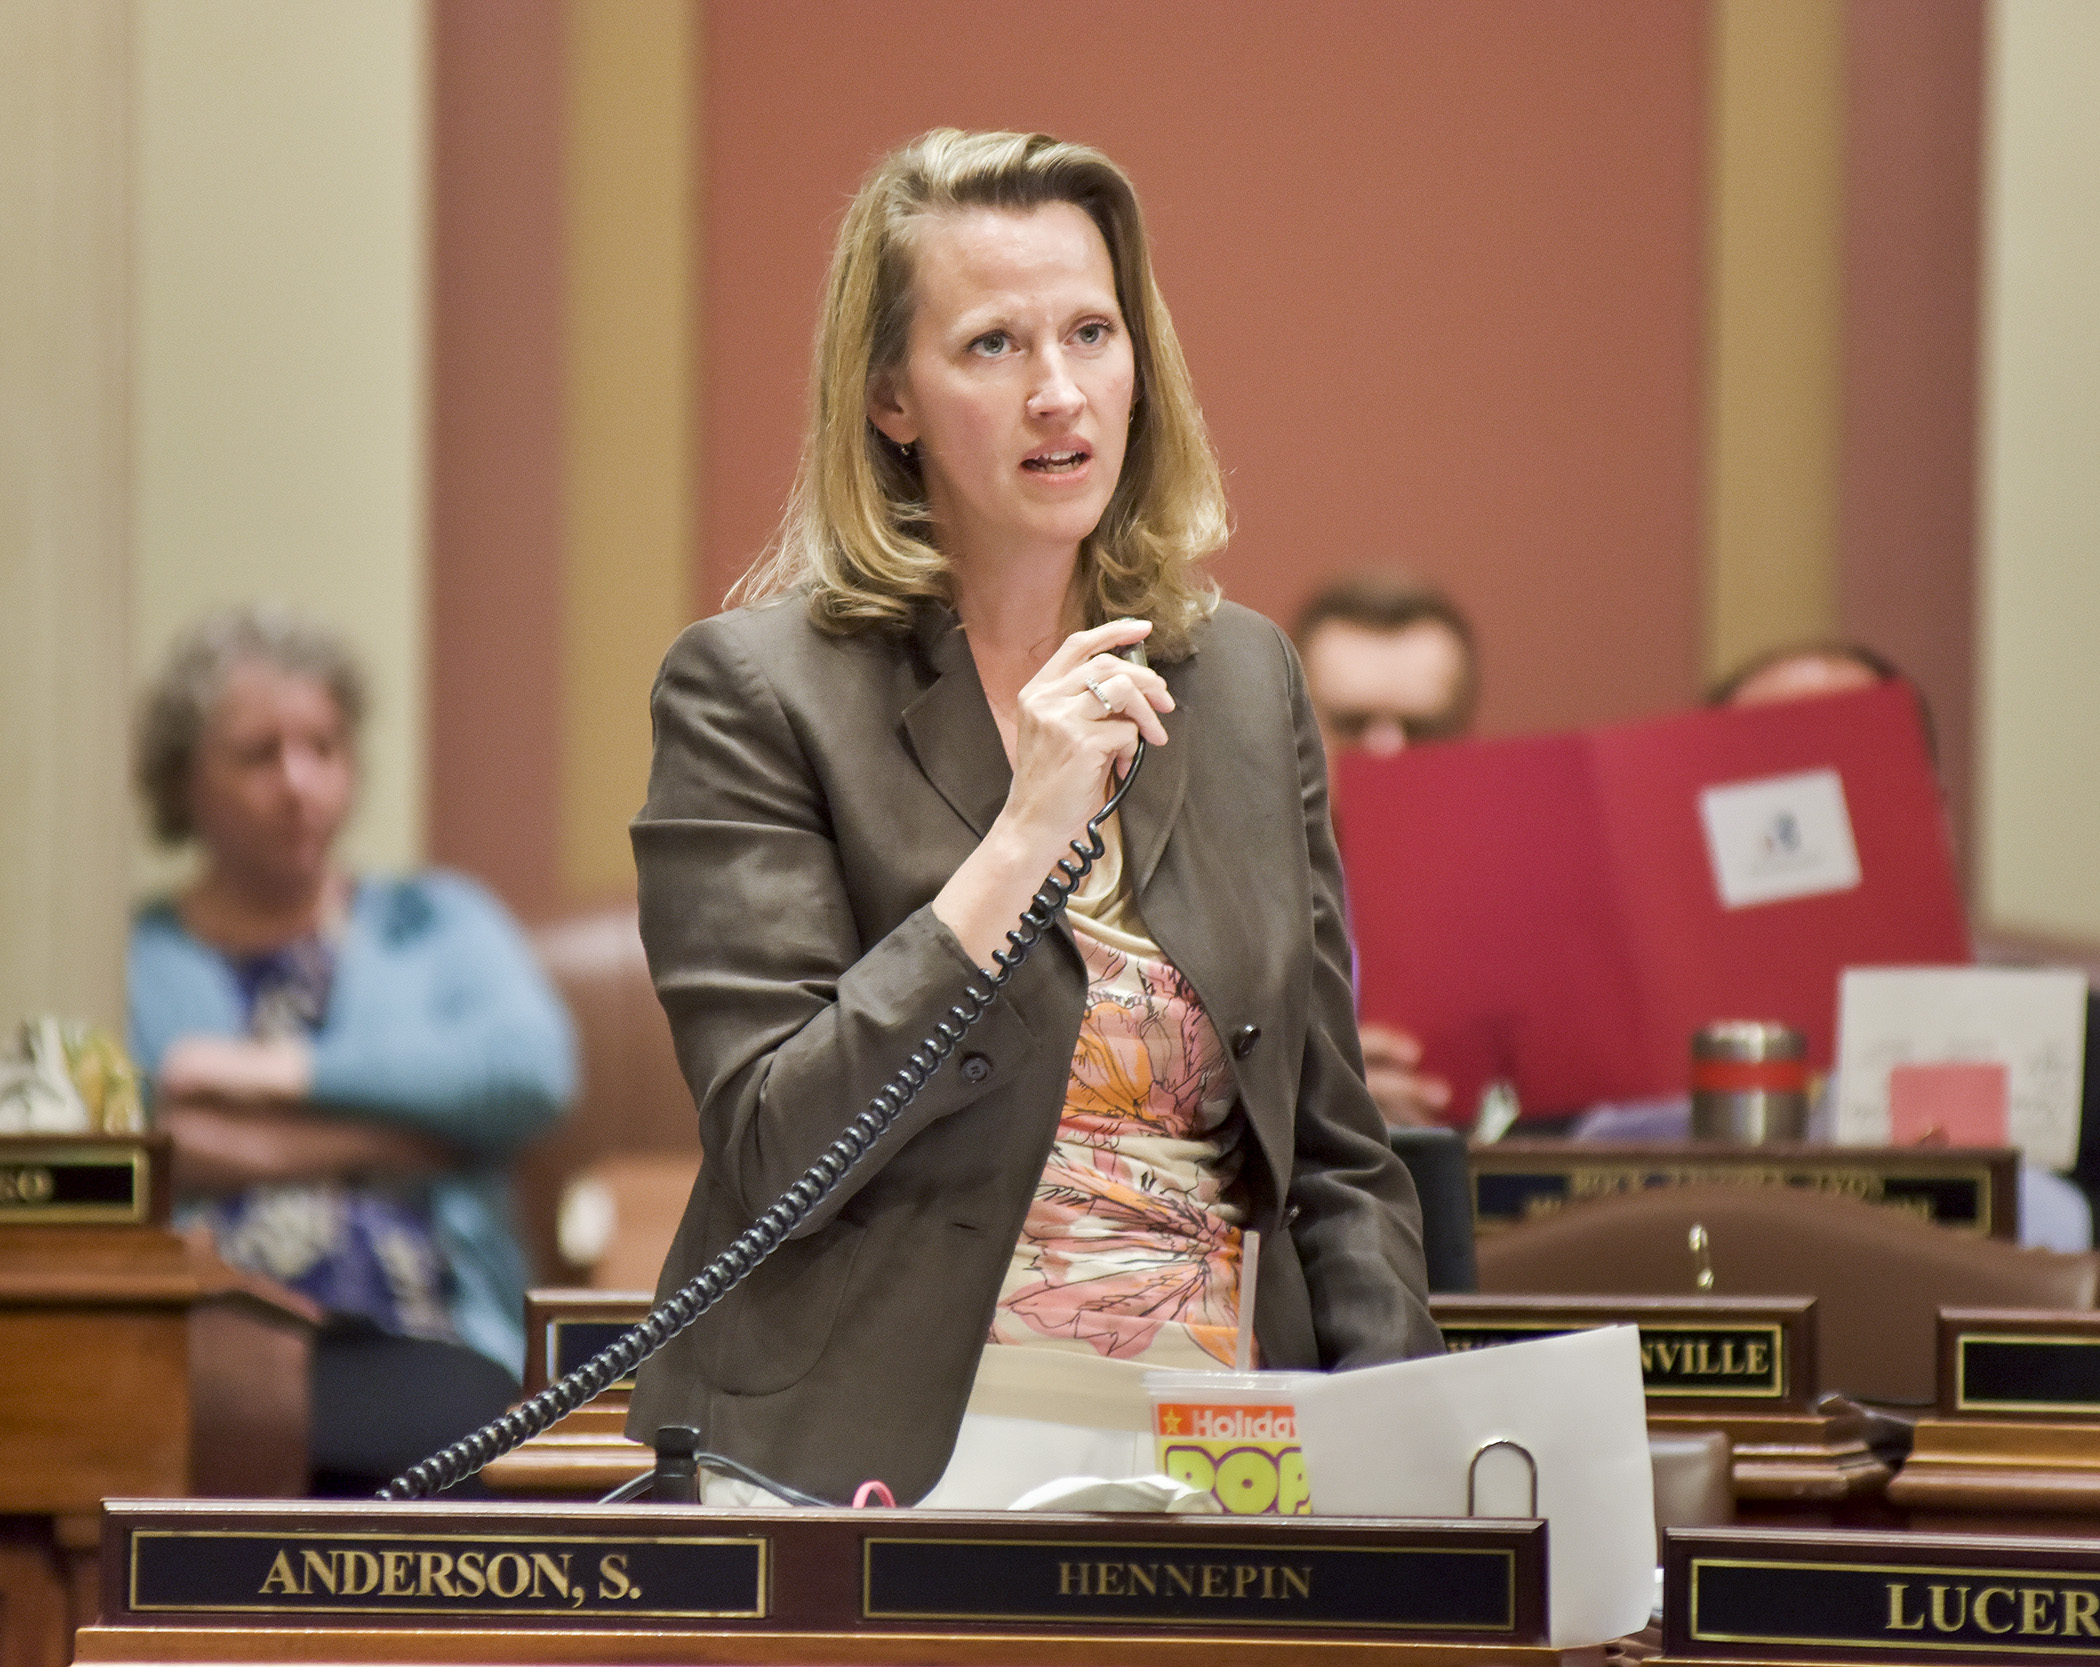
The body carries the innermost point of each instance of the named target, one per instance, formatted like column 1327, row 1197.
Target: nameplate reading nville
column 78, row 1181
column 1970, row 1190
column 332, row 1566
column 1712, row 1349
column 1748, row 1594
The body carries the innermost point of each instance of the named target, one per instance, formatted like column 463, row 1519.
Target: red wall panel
column 495, row 462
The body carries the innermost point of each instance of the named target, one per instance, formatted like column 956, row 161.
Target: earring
column 907, row 450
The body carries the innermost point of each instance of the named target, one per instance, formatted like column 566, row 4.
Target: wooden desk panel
column 197, row 1646
column 2002, row 1455
column 246, row 1582
column 134, row 1363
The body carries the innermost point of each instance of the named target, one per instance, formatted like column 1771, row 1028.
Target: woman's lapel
column 950, row 725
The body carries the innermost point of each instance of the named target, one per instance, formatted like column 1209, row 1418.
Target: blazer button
column 975, row 1068
column 1243, row 1040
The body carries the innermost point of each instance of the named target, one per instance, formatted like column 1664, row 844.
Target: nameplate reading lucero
column 1746, row 1594
column 1693, row 1349
column 82, row 1181
column 282, row 1569
column 1438, row 1586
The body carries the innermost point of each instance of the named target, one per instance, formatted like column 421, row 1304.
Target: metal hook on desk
column 1482, row 1451
column 1702, row 1256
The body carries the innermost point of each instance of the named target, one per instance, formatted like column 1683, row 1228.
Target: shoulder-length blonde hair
column 856, row 537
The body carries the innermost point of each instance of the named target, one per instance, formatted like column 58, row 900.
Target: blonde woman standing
column 864, row 773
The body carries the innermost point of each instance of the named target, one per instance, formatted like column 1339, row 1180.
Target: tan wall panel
column 2040, row 680
column 627, row 562
column 1913, row 257
column 65, row 815
column 1775, row 294
column 280, row 324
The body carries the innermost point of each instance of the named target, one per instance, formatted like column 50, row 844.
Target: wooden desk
column 2014, row 1444
column 457, row 1583
column 135, row 1362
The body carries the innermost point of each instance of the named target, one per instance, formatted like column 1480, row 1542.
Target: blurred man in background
column 1389, row 664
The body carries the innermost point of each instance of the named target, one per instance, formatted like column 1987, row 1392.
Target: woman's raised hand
column 1066, row 735
column 1081, row 713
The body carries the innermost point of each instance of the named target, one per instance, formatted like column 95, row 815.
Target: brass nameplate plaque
column 1259, row 1584
column 445, row 1577
column 571, row 1342
column 2027, row 1373
column 1721, row 1361
column 1831, row 1596
column 56, row 1183
column 1510, row 1187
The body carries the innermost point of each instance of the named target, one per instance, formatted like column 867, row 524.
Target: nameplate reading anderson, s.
column 1258, row 1585
column 1984, row 1599
column 441, row 1576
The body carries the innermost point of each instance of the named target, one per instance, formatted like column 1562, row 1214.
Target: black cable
column 636, row 1486
column 793, row 1207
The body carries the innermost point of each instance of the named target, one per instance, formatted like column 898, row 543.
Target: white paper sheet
column 1398, row 1440
column 1041, row 1415
column 2031, row 1021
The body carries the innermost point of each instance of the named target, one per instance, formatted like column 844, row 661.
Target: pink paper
column 1951, row 1104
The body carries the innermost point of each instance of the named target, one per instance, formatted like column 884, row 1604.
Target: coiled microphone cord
column 793, row 1207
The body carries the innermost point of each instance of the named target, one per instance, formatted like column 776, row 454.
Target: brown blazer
column 809, row 796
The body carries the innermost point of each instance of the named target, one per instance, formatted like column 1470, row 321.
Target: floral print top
column 1130, row 1249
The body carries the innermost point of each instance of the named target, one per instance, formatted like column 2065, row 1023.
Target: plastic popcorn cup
column 1234, row 1435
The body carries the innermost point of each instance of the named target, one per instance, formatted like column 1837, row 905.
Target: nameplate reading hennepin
column 1942, row 1596
column 1261, row 1584
column 445, row 1576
